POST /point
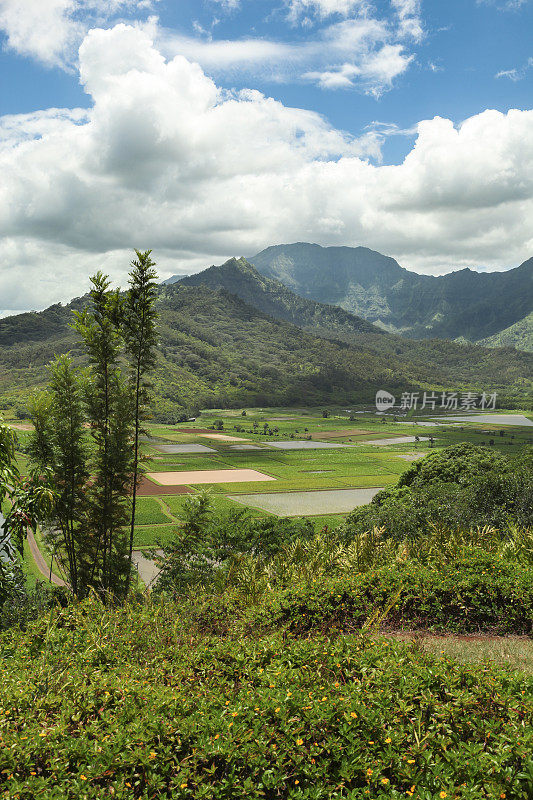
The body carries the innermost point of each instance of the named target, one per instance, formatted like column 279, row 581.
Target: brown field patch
column 148, row 488
column 209, row 476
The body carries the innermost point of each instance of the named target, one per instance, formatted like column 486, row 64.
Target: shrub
column 463, row 485
column 129, row 704
column 476, row 592
column 459, row 463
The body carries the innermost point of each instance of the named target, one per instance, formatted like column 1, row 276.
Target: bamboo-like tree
column 109, row 409
column 139, row 328
column 58, row 443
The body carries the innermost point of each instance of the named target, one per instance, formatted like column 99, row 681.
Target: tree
column 58, row 443
column 139, row 326
column 110, row 411
column 30, row 500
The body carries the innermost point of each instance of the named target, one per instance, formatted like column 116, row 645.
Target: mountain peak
column 464, row 303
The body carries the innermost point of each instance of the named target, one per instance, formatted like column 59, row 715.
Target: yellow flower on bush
column 299, row 741
column 443, row 795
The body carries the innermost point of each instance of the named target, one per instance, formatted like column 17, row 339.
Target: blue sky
column 326, row 100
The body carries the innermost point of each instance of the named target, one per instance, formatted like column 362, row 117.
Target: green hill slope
column 424, row 360
column 519, row 335
column 216, row 350
column 241, row 278
column 464, row 304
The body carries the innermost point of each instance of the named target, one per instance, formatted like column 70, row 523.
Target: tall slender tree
column 58, row 443
column 110, row 414
column 139, row 327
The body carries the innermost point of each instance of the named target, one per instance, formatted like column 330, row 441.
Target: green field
column 360, row 466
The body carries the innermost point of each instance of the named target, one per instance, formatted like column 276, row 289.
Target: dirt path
column 42, row 566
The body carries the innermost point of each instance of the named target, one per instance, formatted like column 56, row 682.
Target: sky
column 205, row 129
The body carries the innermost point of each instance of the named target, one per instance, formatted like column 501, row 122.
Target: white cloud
column 377, row 69
column 227, row 5
column 362, row 52
column 51, row 30
column 503, row 5
column 340, row 78
column 166, row 160
column 408, row 12
column 517, row 73
column 325, row 8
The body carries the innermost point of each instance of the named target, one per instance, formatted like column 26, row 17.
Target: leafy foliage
column 208, row 549
column 474, row 592
column 137, row 703
column 29, row 499
column 462, row 485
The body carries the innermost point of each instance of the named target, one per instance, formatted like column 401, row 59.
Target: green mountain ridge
column 272, row 297
column 217, row 350
column 519, row 335
column 465, row 304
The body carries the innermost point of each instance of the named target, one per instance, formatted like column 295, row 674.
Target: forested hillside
column 519, row 335
column 216, row 350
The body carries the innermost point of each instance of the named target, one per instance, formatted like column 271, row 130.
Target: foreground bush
column 476, row 592
column 139, row 704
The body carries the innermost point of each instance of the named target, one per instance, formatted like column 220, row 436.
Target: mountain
column 519, row 335
column 217, row 350
column 174, row 279
column 465, row 304
column 239, row 277
column 423, row 360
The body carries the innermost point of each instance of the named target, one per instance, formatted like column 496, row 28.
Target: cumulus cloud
column 165, row 159
column 361, row 50
column 51, row 30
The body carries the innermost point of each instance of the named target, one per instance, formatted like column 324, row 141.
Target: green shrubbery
column 251, row 675
column 136, row 703
column 208, row 547
column 462, row 485
column 478, row 591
